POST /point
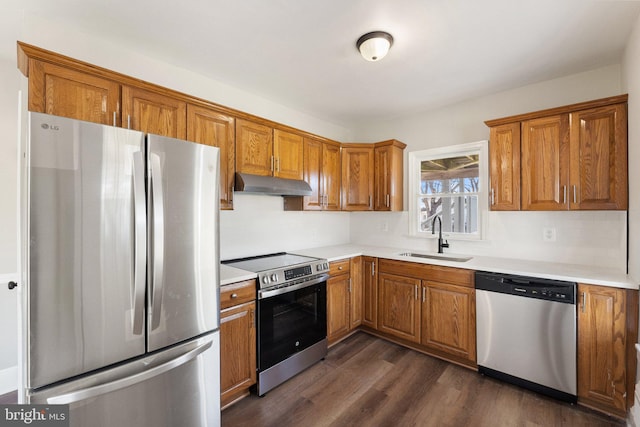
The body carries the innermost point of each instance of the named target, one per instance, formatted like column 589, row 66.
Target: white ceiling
column 302, row 53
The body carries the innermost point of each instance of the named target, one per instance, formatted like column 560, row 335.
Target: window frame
column 416, row 157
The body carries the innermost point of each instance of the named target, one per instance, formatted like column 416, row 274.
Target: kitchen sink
column 434, row 256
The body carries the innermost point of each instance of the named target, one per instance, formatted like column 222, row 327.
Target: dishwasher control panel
column 531, row 287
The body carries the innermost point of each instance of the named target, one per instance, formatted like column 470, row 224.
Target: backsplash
column 259, row 225
column 596, row 238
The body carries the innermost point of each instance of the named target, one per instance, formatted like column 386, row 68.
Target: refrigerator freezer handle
column 140, row 243
column 91, row 392
column 157, row 273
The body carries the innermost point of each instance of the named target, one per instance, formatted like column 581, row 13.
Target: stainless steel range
column 292, row 314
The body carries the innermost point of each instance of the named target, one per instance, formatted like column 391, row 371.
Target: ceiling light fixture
column 374, row 46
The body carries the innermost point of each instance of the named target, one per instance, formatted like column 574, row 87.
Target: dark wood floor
column 366, row 381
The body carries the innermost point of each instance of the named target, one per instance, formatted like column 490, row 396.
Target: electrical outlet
column 384, row 226
column 549, row 234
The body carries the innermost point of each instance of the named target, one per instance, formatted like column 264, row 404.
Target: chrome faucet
column 441, row 244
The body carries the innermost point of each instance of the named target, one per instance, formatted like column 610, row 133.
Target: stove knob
column 274, row 277
column 265, row 279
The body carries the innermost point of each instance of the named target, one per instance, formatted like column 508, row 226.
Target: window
column 449, row 183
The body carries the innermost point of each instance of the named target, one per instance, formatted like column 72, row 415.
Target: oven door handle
column 279, row 291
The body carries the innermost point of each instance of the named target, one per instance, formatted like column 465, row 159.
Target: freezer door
column 83, row 280
column 175, row 387
column 183, row 240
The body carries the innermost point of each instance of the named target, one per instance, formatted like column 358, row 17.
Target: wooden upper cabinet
column 65, row 92
column 545, row 163
column 388, row 161
column 254, row 148
column 504, row 167
column 357, row 177
column 322, row 173
column 288, row 149
column 210, row 127
column 599, row 158
column 153, row 112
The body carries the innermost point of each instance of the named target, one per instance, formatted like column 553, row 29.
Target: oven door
column 291, row 322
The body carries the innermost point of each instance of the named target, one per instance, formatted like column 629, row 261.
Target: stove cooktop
column 261, row 263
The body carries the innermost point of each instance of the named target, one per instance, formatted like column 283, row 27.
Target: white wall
column 589, row 238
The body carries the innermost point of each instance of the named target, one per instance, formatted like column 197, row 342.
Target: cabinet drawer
column 237, row 293
column 339, row 267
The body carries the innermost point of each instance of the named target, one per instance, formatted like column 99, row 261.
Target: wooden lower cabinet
column 449, row 319
column 607, row 332
column 237, row 341
column 344, row 298
column 399, row 306
column 370, row 291
column 355, row 315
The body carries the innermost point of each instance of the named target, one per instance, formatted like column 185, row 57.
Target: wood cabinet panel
column 237, row 293
column 602, row 342
column 370, row 292
column 388, row 172
column 338, row 307
column 254, row 148
column 438, row 273
column 331, row 176
column 356, row 292
column 545, row 163
column 237, row 351
column 65, row 92
column 210, row 127
column 339, row 267
column 599, row 158
column 357, row 178
column 448, row 319
column 288, row 150
column 154, row 113
column 504, row 167
column 313, row 171
column 399, row 306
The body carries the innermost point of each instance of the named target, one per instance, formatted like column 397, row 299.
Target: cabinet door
column 337, row 307
column 355, row 314
column 237, row 351
column 64, row 92
column 504, row 166
column 288, row 151
column 599, row 158
column 545, row 163
column 357, row 178
column 601, row 347
column 210, row 127
column 331, row 176
column 254, row 148
column 448, row 319
column 388, row 178
column 153, row 112
column 313, row 174
column 399, row 306
column 370, row 292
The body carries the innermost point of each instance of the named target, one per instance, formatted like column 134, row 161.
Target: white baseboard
column 8, row 379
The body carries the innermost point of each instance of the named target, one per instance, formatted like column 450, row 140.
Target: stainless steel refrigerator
column 120, row 261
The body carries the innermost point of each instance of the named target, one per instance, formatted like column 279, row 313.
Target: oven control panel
column 288, row 274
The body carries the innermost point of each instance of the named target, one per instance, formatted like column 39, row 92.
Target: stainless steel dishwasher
column 526, row 332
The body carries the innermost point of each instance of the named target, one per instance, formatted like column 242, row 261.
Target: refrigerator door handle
column 157, row 273
column 91, row 392
column 140, row 243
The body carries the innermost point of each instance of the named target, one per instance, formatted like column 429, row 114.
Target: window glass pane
column 459, row 214
column 450, row 175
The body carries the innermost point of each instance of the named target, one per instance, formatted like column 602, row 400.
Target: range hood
column 270, row 185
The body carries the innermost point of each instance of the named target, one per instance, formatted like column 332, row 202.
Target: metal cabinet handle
column 493, row 200
column 575, row 198
column 584, row 301
column 373, row 268
column 370, row 200
column 415, row 291
column 564, row 192
column 272, row 163
column 234, row 296
column 114, row 118
column 424, row 294
column 388, row 201
column 128, row 121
